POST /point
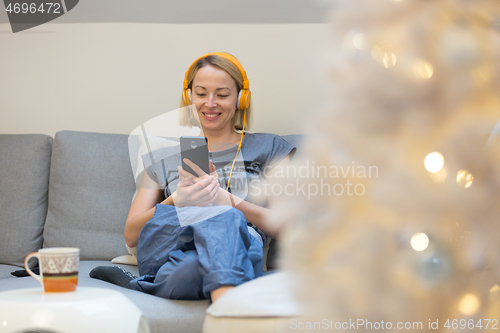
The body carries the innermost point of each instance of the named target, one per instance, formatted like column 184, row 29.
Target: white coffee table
column 85, row 310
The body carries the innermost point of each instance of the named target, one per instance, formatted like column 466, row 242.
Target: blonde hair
column 186, row 118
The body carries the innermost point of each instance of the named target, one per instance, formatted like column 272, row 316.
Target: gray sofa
column 75, row 190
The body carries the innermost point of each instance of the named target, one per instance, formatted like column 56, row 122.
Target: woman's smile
column 211, row 116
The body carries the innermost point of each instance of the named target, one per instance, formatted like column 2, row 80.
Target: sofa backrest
column 24, row 182
column 90, row 192
column 86, row 203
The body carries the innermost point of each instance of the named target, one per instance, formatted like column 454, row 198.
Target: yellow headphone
column 243, row 96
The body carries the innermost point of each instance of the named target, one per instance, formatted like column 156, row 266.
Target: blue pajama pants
column 188, row 262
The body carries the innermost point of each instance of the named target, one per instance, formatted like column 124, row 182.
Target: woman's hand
column 184, row 174
column 196, row 191
column 223, row 196
column 200, row 193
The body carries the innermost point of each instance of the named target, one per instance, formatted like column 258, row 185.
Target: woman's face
column 214, row 93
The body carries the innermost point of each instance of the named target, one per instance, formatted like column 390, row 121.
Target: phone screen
column 195, row 148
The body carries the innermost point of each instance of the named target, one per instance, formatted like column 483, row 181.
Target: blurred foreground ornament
column 433, row 265
column 407, row 78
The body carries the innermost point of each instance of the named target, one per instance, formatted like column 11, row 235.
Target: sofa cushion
column 163, row 315
column 5, row 271
column 261, row 305
column 90, row 191
column 24, row 181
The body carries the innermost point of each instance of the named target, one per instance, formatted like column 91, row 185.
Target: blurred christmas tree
column 414, row 97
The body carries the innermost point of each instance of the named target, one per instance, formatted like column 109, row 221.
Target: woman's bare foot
column 215, row 294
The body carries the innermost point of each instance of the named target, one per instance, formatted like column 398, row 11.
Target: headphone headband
column 244, row 96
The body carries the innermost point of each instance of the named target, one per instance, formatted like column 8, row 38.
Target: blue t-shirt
column 259, row 152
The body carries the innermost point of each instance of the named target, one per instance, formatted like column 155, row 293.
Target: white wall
column 111, row 77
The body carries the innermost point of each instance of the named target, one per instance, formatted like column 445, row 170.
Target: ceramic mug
column 58, row 268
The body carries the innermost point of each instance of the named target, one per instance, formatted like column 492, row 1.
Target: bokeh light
column 434, row 162
column 382, row 53
column 422, row 69
column 464, row 179
column 359, row 41
column 469, row 304
column 419, row 241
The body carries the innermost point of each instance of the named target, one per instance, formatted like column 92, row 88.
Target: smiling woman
column 198, row 236
column 215, row 96
column 228, row 81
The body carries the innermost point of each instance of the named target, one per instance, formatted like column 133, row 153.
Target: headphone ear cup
column 238, row 102
column 187, row 96
column 244, row 99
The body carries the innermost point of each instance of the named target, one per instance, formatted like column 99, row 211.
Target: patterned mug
column 58, row 268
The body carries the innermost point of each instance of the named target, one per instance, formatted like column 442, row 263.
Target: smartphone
column 195, row 148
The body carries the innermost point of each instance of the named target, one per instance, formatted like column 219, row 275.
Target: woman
column 207, row 258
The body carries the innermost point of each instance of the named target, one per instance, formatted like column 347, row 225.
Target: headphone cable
column 238, row 150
